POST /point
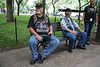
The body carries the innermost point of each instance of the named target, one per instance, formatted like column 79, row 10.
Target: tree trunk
column 43, row 6
column 10, row 17
column 13, row 6
column 98, row 28
column 18, row 9
column 79, row 12
column 53, row 10
column 18, row 6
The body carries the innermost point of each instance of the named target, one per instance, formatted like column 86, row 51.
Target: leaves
column 24, row 3
column 97, row 4
column 2, row 3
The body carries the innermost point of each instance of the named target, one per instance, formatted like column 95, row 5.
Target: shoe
column 88, row 43
column 81, row 47
column 84, row 45
column 70, row 50
column 33, row 61
column 41, row 59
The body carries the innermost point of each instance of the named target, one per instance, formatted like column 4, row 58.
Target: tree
column 24, row 3
column 18, row 5
column 79, row 11
column 13, row 5
column 98, row 28
column 28, row 7
column 53, row 4
column 10, row 17
column 43, row 6
column 47, row 5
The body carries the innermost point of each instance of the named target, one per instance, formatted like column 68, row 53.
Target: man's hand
column 50, row 33
column 75, row 33
column 81, row 31
column 96, row 24
column 39, row 38
column 82, row 23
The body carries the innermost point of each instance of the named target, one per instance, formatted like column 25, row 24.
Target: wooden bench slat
column 55, row 22
column 61, row 38
column 56, row 30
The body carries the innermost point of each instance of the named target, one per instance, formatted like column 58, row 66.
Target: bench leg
column 66, row 42
column 74, row 44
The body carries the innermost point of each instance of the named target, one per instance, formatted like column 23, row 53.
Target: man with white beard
column 39, row 26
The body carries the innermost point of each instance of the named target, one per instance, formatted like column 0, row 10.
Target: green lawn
column 7, row 31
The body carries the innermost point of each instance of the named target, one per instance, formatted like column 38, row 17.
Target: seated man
column 39, row 26
column 68, row 26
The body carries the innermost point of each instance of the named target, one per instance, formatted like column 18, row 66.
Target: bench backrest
column 56, row 26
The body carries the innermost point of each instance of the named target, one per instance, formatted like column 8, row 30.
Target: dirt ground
column 20, row 56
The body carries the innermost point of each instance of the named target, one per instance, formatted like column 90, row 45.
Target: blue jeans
column 33, row 42
column 88, row 28
column 72, row 38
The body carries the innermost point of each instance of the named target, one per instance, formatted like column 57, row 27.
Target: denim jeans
column 33, row 42
column 72, row 38
column 88, row 28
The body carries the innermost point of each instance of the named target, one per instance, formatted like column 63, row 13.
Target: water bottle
column 95, row 29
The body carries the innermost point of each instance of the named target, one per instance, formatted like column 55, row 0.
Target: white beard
column 38, row 11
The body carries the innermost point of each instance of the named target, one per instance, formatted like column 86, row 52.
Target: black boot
column 33, row 61
column 41, row 59
column 81, row 47
column 70, row 50
column 84, row 45
column 88, row 43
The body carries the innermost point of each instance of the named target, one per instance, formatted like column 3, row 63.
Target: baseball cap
column 39, row 5
column 67, row 9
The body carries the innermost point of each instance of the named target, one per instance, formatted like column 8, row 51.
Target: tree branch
column 85, row 4
column 16, row 1
column 20, row 1
column 56, row 1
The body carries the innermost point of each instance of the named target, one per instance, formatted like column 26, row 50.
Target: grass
column 7, row 31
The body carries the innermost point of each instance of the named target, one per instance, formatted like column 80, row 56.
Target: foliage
column 97, row 3
column 2, row 3
column 23, row 3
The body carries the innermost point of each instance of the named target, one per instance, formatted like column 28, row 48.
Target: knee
column 55, row 41
column 32, row 42
column 73, row 38
column 84, row 34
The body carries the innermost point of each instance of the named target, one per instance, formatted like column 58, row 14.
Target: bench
column 56, row 28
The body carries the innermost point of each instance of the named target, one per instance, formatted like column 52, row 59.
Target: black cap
column 67, row 9
column 39, row 5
